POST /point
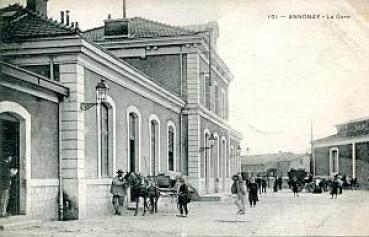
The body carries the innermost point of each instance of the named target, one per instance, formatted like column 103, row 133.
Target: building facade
column 161, row 109
column 275, row 164
column 346, row 152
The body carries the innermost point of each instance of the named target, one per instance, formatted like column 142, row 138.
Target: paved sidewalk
column 276, row 214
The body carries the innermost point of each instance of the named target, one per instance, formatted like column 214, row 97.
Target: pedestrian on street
column 253, row 193
column 6, row 173
column 258, row 183
column 240, row 193
column 280, row 182
column 264, row 185
column 182, row 194
column 119, row 187
column 295, row 187
column 275, row 185
column 334, row 187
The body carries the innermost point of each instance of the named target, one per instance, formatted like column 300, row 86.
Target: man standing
column 119, row 190
column 241, row 193
column 6, row 172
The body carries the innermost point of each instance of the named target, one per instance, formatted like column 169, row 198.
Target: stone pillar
column 194, row 166
column 73, row 143
column 353, row 160
column 193, row 99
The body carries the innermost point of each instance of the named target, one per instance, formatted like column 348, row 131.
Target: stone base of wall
column 44, row 202
column 98, row 201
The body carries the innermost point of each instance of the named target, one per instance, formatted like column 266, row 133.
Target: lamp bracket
column 204, row 148
column 87, row 106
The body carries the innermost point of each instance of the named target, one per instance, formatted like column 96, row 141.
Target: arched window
column 154, row 144
column 333, row 158
column 106, row 148
column 133, row 141
column 171, row 148
column 106, row 138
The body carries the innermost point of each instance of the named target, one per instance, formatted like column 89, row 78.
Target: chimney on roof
column 62, row 17
column 39, row 6
column 67, row 17
column 116, row 27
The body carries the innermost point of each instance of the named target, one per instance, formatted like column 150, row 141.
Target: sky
column 287, row 72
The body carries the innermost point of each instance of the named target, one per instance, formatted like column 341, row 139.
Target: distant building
column 346, row 152
column 274, row 164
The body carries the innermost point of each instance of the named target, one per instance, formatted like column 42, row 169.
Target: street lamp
column 101, row 95
column 211, row 143
column 238, row 150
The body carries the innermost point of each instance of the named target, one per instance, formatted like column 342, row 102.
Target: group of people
column 241, row 188
column 120, row 185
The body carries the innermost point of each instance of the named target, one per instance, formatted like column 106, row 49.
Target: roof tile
column 18, row 23
column 140, row 27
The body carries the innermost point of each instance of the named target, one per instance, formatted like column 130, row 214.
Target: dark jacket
column 253, row 193
column 183, row 194
column 5, row 176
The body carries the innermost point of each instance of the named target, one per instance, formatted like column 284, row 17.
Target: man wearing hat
column 119, row 190
column 6, row 172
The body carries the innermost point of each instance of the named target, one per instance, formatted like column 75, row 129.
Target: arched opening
column 106, row 157
column 154, row 147
column 171, row 147
column 15, row 141
column 215, row 159
column 206, row 162
column 133, row 143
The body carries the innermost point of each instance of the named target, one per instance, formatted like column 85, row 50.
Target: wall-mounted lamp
column 211, row 143
column 101, row 95
column 238, row 150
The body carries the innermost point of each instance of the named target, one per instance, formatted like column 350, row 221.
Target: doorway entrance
column 9, row 146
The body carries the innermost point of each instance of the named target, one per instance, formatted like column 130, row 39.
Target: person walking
column 275, row 184
column 182, row 194
column 119, row 187
column 264, row 185
column 295, row 187
column 240, row 193
column 253, row 193
column 334, row 187
column 6, row 173
column 280, row 182
column 258, row 183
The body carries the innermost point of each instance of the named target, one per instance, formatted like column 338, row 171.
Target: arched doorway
column 15, row 141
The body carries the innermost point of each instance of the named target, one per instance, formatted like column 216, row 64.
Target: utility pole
column 312, row 147
column 209, row 46
column 124, row 9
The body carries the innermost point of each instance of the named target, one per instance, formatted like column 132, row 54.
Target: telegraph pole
column 124, row 9
column 312, row 146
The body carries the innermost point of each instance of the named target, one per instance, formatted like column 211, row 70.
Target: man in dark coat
column 6, row 172
column 182, row 194
column 334, row 187
column 118, row 188
column 253, row 194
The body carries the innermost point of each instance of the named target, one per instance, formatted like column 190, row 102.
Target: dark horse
column 145, row 188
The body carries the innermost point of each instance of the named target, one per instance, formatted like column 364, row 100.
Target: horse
column 145, row 188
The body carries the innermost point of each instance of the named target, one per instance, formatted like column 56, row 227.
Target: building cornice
column 196, row 41
column 97, row 59
column 204, row 113
column 33, row 78
column 341, row 141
